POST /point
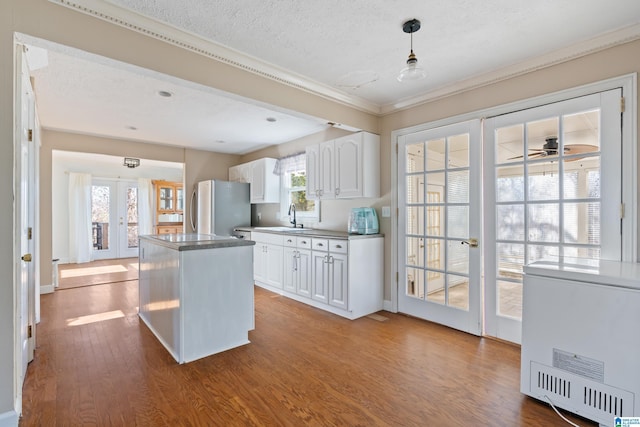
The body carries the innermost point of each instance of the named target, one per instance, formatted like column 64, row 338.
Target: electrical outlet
column 386, row 211
column 259, row 216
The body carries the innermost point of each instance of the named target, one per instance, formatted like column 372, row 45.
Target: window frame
column 285, row 199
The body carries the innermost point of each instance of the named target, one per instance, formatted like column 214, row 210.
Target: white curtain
column 80, row 233
column 145, row 206
column 288, row 164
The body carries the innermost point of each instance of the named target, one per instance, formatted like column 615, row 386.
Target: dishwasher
column 581, row 337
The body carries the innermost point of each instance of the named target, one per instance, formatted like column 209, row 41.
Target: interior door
column 114, row 218
column 552, row 189
column 25, row 205
column 440, row 221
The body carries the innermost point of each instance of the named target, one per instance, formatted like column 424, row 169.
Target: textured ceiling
column 352, row 50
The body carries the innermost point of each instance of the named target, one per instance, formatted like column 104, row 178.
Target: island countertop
column 189, row 242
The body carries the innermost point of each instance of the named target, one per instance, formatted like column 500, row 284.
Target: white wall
column 99, row 166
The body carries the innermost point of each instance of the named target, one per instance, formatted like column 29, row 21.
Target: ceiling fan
column 550, row 148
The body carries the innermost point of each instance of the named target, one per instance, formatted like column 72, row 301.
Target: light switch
column 386, row 211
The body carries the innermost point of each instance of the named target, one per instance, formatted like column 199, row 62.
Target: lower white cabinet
column 340, row 275
column 267, row 259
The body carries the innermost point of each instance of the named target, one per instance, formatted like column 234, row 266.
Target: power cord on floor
column 559, row 414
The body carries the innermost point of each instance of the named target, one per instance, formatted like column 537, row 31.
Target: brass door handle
column 473, row 243
column 26, row 257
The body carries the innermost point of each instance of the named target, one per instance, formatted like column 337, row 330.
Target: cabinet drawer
column 290, row 241
column 274, row 239
column 320, row 244
column 338, row 246
column 303, row 242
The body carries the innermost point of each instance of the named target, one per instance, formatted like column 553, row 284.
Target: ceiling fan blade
column 516, row 157
column 579, row 149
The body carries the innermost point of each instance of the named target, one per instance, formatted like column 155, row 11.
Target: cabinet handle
column 289, row 240
column 337, row 191
column 339, row 246
column 304, row 242
column 320, row 244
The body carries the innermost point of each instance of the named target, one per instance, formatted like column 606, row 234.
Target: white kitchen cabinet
column 297, row 265
column 330, row 273
column 264, row 184
column 320, row 276
column 344, row 168
column 336, row 272
column 267, row 255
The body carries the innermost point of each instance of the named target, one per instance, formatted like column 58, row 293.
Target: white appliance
column 221, row 206
column 581, row 337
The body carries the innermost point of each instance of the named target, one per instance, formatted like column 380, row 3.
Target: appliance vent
column 603, row 401
column 554, row 384
column 580, row 395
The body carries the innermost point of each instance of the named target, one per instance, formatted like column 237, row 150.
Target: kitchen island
column 196, row 292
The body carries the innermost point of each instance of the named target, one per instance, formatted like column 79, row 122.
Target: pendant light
column 412, row 71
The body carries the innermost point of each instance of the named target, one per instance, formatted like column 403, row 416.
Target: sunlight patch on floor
column 93, row 318
column 77, row 272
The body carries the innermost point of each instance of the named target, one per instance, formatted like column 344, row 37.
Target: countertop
column 312, row 232
column 190, row 242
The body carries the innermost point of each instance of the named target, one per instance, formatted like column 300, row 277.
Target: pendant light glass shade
column 412, row 71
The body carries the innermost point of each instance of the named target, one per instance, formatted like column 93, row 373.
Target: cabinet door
column 290, row 270
column 259, row 263
column 312, row 171
column 179, row 199
column 304, row 273
column 348, row 158
column 274, row 265
column 320, row 270
column 327, row 171
column 257, row 181
column 166, row 198
column 338, row 281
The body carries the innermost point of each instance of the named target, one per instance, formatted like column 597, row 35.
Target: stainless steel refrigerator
column 221, row 206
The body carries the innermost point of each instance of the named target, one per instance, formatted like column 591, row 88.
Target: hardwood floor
column 97, row 364
column 97, row 272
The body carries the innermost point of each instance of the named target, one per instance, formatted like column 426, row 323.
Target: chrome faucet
column 292, row 207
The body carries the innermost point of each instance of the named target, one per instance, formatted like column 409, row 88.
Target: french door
column 114, row 219
column 552, row 190
column 440, row 219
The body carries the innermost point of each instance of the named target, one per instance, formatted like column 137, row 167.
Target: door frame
column 627, row 82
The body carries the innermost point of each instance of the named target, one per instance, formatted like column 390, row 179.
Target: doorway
column 114, row 219
column 552, row 185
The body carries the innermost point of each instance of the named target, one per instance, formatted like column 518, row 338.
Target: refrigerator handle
column 191, row 209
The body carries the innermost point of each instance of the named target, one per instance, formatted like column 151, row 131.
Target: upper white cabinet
column 345, row 168
column 264, row 184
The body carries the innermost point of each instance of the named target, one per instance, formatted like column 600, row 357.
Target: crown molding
column 136, row 22
column 167, row 33
column 596, row 44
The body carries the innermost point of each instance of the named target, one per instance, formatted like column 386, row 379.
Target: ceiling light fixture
column 165, row 93
column 271, row 119
column 412, row 71
column 131, row 162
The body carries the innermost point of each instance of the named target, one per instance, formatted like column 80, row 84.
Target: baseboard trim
column 9, row 419
column 388, row 306
column 47, row 289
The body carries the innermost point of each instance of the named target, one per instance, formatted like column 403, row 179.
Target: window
column 294, row 181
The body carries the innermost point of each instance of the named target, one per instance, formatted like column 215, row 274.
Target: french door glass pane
column 132, row 217
column 437, row 208
column 547, row 192
column 100, row 209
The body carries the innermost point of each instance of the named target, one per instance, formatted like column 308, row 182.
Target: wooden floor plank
column 303, row 367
